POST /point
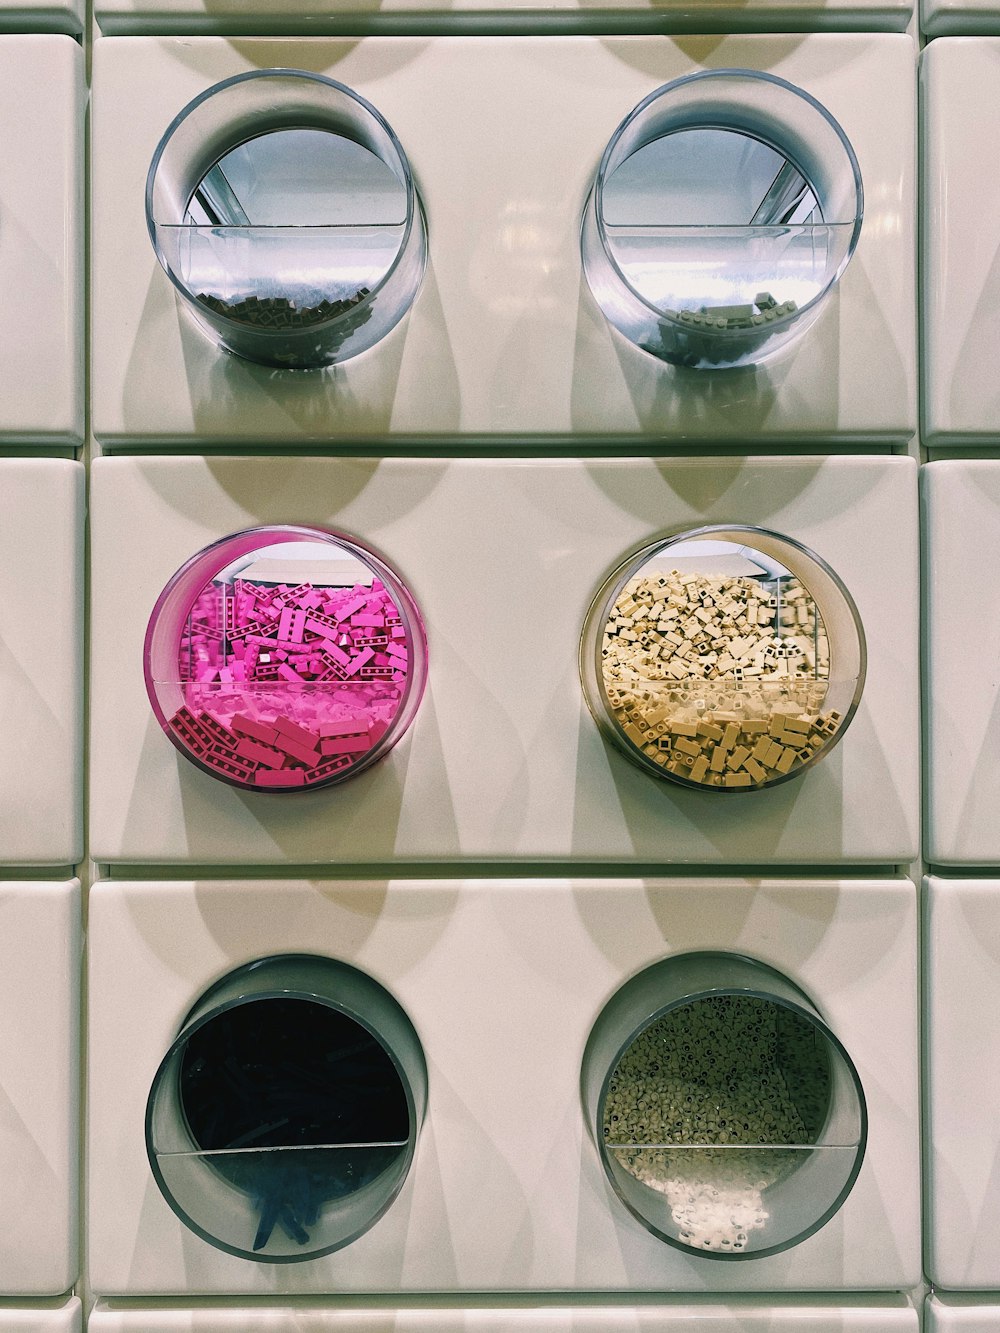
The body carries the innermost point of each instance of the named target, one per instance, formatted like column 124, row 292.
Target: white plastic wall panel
column 503, row 981
column 960, row 202
column 40, row 947
column 961, row 502
column 64, row 1317
column 962, row 1079
column 504, row 759
column 328, row 16
column 41, row 660
column 864, row 1315
column 42, row 107
column 504, row 339
column 962, row 1314
column 942, row 17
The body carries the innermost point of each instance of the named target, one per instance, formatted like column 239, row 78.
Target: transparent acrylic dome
column 724, row 210
column 283, row 1119
column 285, row 658
column 724, row 658
column 282, row 208
column 729, row 1118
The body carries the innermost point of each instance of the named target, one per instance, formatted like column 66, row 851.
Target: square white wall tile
column 64, row 1317
column 960, row 197
column 962, row 1314
column 42, row 109
column 41, row 660
column 961, row 505
column 746, row 1315
column 503, row 1017
column 490, row 769
column 504, row 338
column 962, row 1055
column 40, row 947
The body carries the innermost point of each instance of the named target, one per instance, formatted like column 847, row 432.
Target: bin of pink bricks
column 285, row 658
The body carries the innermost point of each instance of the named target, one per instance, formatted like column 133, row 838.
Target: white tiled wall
column 503, row 775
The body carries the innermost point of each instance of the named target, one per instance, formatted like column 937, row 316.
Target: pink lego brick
column 348, row 608
column 285, row 777
column 345, row 744
column 192, row 733
column 321, row 624
column 345, row 726
column 336, row 652
column 257, row 731
column 285, row 622
column 239, row 632
column 296, row 594
column 327, row 767
column 220, row 734
column 333, row 670
column 228, row 763
column 301, row 736
column 359, row 660
column 369, row 618
column 286, row 672
column 302, row 754
column 260, row 754
column 297, row 626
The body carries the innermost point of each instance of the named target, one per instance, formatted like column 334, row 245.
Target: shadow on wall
column 232, row 398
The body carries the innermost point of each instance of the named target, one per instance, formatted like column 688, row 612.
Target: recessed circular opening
column 282, row 1122
column 730, row 1119
column 282, row 207
column 726, row 658
column 725, row 209
column 280, row 659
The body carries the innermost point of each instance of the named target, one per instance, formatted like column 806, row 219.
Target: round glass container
column 283, row 1119
column 724, row 210
column 724, row 658
column 729, row 1118
column 282, row 208
column 285, row 658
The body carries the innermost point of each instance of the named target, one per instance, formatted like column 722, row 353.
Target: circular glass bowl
column 283, row 1119
column 282, row 208
column 724, row 210
column 729, row 1118
column 285, row 658
column 724, row 658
